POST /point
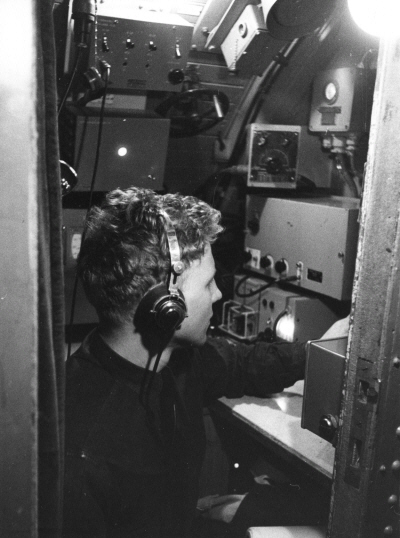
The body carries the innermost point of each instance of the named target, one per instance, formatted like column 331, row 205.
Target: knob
column 253, row 225
column 261, row 140
column 176, row 76
column 281, row 266
column 265, row 262
column 327, row 426
column 247, row 256
column 273, row 165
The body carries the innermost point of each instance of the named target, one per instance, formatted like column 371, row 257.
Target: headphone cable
column 145, row 387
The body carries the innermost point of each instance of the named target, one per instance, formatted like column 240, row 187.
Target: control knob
column 253, row 225
column 281, row 266
column 265, row 262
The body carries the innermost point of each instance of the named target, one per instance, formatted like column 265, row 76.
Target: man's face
column 200, row 290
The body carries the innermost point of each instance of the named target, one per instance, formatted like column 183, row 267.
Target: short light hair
column 125, row 250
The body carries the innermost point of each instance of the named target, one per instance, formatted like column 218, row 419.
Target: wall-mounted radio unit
column 311, row 240
column 286, row 157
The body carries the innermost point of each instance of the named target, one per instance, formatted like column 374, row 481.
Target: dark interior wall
column 191, row 161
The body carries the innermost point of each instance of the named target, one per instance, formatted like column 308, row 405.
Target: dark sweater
column 132, row 466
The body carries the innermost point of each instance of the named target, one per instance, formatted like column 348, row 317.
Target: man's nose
column 217, row 295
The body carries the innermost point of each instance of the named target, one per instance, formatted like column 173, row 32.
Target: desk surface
column 277, row 420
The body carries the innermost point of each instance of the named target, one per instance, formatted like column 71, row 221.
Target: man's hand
column 339, row 329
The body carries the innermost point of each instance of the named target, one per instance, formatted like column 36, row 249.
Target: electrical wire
column 74, row 72
column 145, row 387
column 347, row 178
column 97, row 157
column 261, row 288
column 253, row 292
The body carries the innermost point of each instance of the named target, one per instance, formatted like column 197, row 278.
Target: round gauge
column 331, row 92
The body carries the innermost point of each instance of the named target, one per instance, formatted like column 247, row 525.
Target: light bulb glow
column 376, row 18
column 285, row 328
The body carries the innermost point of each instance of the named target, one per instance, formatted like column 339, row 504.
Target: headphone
column 164, row 305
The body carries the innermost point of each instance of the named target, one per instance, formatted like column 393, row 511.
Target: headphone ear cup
column 161, row 309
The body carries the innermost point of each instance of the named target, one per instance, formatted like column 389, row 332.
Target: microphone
column 83, row 14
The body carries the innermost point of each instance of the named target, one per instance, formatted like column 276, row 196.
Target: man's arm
column 259, row 369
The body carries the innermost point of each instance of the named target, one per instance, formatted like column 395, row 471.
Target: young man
column 137, row 386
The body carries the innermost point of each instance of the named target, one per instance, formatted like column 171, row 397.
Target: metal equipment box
column 286, row 157
column 247, row 39
column 312, row 240
column 291, row 316
column 342, row 100
column 325, row 366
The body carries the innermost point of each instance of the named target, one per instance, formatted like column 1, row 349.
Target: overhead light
column 378, row 18
column 122, row 151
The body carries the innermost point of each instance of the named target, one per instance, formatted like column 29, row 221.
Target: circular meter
column 331, row 92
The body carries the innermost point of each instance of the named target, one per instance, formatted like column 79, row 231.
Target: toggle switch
column 104, row 44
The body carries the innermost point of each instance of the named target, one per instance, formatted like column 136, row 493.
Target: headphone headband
column 177, row 266
column 163, row 305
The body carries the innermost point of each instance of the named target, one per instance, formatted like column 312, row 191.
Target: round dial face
column 331, row 92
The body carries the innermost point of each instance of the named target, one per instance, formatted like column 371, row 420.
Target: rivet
column 396, row 362
column 382, row 469
column 398, row 432
column 388, row 530
column 393, row 499
column 396, row 465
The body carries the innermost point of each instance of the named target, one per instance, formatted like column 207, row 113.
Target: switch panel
column 313, row 241
column 141, row 46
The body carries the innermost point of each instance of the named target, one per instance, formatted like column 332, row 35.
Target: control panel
column 276, row 312
column 285, row 157
column 145, row 53
column 312, row 241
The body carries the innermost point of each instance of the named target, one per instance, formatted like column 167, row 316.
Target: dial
column 331, row 92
